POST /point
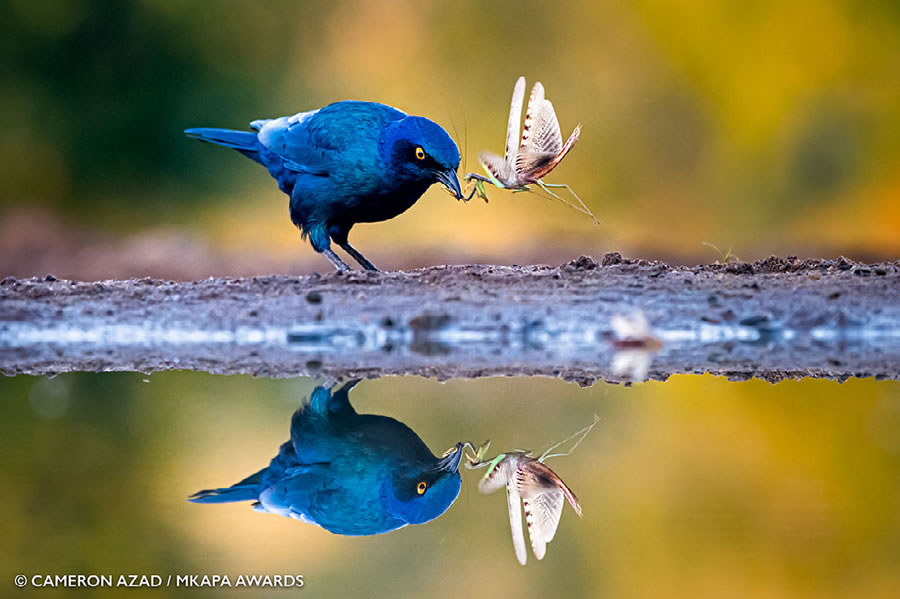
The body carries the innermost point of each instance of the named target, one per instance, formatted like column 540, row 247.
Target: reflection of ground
column 770, row 319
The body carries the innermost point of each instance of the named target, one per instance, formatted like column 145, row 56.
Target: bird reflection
column 351, row 474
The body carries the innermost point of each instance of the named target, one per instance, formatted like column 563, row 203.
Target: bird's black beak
column 450, row 461
column 449, row 180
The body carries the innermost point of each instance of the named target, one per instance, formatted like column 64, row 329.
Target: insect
column 529, row 160
column 634, row 344
column 530, row 481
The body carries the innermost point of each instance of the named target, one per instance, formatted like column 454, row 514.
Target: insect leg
column 583, row 432
column 584, row 209
column 479, row 186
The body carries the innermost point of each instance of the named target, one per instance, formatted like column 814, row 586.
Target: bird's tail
column 239, row 140
column 325, row 402
column 244, row 142
column 245, row 490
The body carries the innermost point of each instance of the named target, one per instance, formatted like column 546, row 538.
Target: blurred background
column 760, row 127
column 696, row 487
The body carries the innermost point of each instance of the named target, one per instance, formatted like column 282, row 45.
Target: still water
column 694, row 487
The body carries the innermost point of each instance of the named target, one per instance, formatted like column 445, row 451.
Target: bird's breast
column 388, row 201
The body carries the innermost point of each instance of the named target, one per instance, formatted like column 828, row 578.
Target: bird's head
column 419, row 493
column 419, row 150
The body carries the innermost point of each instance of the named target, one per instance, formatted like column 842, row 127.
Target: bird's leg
column 318, row 238
column 356, row 255
column 334, row 259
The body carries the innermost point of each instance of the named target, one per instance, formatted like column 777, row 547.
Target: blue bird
column 351, row 474
column 349, row 162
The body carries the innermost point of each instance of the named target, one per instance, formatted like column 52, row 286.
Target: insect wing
column 500, row 471
column 515, row 115
column 500, row 172
column 543, row 171
column 528, row 163
column 543, row 493
column 513, row 501
column 545, row 135
column 542, row 512
column 534, row 104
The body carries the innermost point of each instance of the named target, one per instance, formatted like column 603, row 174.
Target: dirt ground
column 772, row 319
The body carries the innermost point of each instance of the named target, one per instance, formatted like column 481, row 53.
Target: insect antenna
column 465, row 142
column 455, row 134
column 583, row 433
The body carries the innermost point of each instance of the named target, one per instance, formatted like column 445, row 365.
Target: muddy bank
column 772, row 319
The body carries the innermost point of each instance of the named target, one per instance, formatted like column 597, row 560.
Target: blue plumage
column 351, row 474
column 346, row 163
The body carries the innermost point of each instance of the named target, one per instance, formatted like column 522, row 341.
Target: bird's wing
column 313, row 142
column 515, row 521
column 259, row 124
column 345, row 503
column 515, row 115
column 289, row 138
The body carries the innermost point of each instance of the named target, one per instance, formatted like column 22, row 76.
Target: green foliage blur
column 764, row 126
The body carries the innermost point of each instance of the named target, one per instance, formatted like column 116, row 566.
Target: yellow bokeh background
column 696, row 487
column 763, row 127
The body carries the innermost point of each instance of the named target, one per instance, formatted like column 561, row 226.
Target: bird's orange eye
column 420, row 154
column 420, row 489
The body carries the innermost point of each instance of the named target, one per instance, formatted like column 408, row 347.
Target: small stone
column 612, row 258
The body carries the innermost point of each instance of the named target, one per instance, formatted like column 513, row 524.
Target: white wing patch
column 542, row 513
column 515, row 521
column 534, row 104
column 497, row 168
column 546, row 136
column 270, row 130
column 515, row 115
column 498, row 474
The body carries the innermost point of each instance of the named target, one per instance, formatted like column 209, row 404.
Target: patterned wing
column 515, row 521
column 542, row 512
column 528, row 163
column 542, row 491
column 534, row 104
column 545, row 136
column 515, row 115
column 540, row 170
column 499, row 472
column 500, row 171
